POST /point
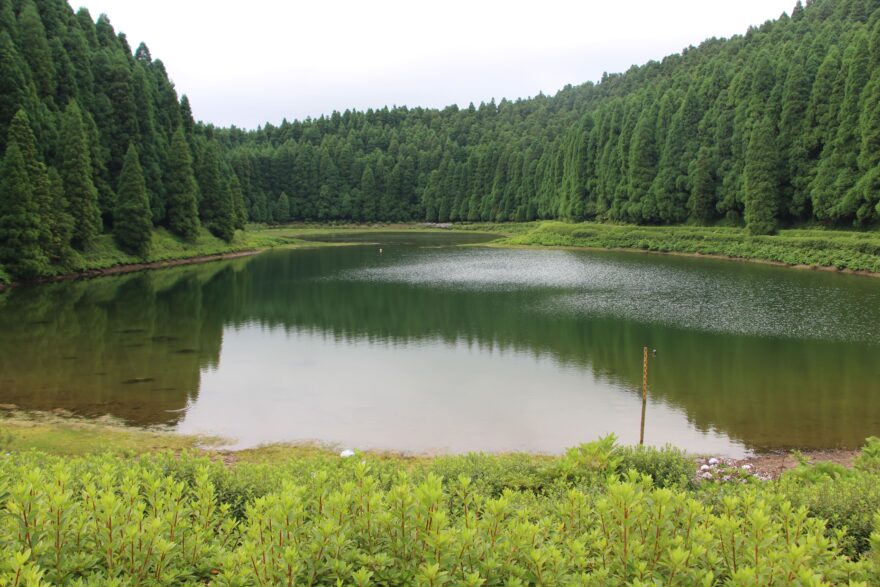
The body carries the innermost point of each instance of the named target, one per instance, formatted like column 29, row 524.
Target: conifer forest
column 777, row 127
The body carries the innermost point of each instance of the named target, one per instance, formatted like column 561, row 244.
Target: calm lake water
column 433, row 347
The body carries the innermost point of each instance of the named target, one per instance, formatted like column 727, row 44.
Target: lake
column 431, row 347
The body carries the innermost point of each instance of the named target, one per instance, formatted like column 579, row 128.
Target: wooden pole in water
column 644, row 393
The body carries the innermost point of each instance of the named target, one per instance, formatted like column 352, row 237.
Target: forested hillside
column 778, row 126
column 96, row 140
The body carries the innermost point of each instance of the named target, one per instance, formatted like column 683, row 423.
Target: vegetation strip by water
column 600, row 514
column 812, row 248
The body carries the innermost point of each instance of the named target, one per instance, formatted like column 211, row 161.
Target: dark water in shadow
column 432, row 347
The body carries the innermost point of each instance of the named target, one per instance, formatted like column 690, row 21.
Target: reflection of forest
column 131, row 346
column 79, row 342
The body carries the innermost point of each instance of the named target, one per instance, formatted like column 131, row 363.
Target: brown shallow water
column 429, row 347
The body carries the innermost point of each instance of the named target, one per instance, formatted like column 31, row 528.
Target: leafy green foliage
column 848, row 499
column 171, row 520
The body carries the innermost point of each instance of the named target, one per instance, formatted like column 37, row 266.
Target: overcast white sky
column 245, row 63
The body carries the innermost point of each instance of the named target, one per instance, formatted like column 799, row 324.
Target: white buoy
column 380, row 251
column 346, row 453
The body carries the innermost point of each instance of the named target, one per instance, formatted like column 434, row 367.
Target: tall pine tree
column 182, row 191
column 76, row 177
column 132, row 225
column 20, row 251
column 761, row 182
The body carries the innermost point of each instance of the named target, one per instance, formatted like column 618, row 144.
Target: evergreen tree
column 12, row 82
column 76, row 177
column 60, row 250
column 281, row 211
column 21, row 134
column 20, row 251
column 35, row 48
column 117, row 114
column 795, row 161
column 183, row 211
column 761, row 180
column 642, row 167
column 702, row 200
column 132, row 225
column 369, row 194
column 216, row 208
column 238, row 202
column 186, row 116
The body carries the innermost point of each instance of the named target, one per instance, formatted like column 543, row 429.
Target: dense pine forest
column 777, row 127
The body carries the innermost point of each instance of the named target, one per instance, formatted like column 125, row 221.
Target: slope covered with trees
column 779, row 126
column 76, row 105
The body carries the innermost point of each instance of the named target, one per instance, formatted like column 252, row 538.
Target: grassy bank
column 105, row 256
column 158, row 510
column 842, row 250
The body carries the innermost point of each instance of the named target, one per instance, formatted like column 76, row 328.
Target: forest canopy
column 779, row 126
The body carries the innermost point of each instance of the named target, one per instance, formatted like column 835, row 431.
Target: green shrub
column 493, row 474
column 667, row 466
column 869, row 458
column 171, row 520
column 846, row 499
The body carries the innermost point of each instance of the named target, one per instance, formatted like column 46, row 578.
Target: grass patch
column 68, row 436
column 856, row 251
column 167, row 246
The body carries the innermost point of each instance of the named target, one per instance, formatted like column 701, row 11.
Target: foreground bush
column 169, row 520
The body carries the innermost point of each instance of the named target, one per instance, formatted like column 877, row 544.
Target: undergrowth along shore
column 601, row 514
column 841, row 250
column 818, row 248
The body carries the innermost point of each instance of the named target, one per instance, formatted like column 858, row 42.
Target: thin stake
column 644, row 395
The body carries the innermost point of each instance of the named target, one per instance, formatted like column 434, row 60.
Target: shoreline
column 503, row 241
column 134, row 267
column 696, row 255
column 60, row 431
